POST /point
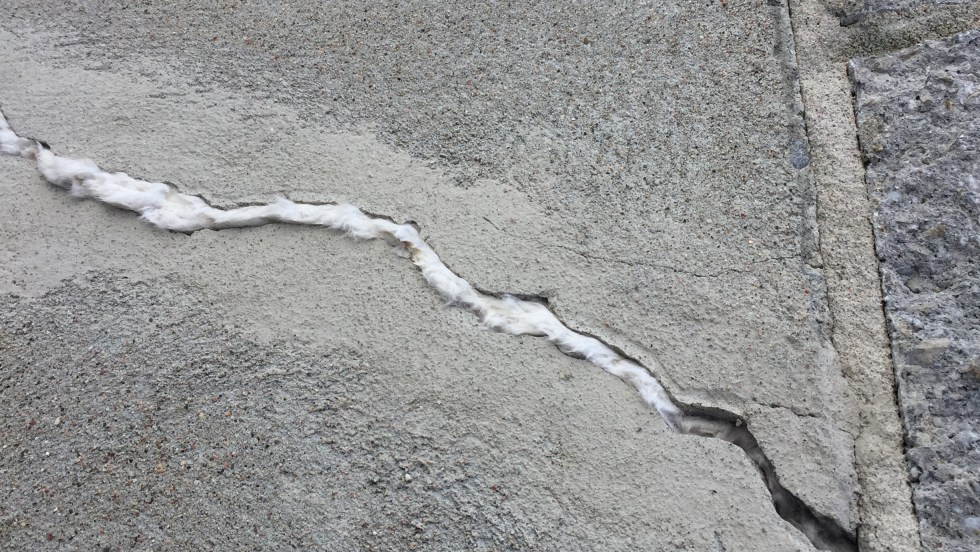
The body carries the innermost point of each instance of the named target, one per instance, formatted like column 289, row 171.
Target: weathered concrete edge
column 887, row 518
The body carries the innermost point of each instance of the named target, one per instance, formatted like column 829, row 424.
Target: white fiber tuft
column 163, row 206
column 12, row 144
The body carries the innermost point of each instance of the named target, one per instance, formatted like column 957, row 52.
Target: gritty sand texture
column 918, row 113
column 143, row 421
column 646, row 167
column 685, row 220
column 292, row 284
column 509, row 444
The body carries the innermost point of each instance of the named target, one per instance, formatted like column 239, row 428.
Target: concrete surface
column 144, row 420
column 245, row 274
column 918, row 114
column 647, row 167
column 610, row 182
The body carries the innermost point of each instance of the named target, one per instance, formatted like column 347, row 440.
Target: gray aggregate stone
column 896, row 5
column 918, row 114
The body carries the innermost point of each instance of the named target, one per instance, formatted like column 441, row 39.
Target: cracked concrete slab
column 608, row 158
column 294, row 309
column 634, row 202
column 129, row 392
column 144, row 420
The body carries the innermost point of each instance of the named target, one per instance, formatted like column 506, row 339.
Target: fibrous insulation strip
column 165, row 207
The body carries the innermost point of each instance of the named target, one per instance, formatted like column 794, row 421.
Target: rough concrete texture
column 509, row 444
column 291, row 284
column 646, row 166
column 918, row 113
column 657, row 169
column 143, row 422
column 824, row 48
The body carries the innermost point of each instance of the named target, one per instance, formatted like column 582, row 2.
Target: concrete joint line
column 165, row 207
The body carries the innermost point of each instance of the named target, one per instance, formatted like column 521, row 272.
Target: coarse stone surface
column 871, row 6
column 882, row 21
column 918, row 115
column 823, row 48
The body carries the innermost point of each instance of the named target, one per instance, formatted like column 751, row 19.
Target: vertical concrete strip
column 851, row 272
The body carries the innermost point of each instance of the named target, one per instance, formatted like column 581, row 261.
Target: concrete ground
column 679, row 179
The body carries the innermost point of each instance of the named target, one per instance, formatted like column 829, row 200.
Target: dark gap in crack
column 706, row 421
column 237, row 204
column 41, row 143
column 380, row 216
column 865, row 160
column 528, row 297
column 794, row 410
column 823, row 531
column 314, row 202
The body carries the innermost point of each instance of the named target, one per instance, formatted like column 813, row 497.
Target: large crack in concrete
column 164, row 206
